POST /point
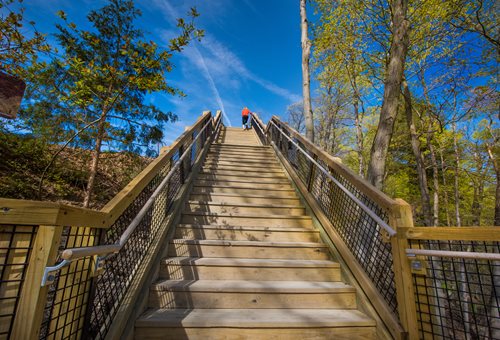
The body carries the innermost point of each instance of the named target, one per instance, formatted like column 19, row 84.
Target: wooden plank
column 401, row 216
column 486, row 234
column 33, row 297
column 27, row 212
column 390, row 320
column 360, row 183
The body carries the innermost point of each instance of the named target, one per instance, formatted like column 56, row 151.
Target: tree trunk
column 419, row 158
column 94, row 165
column 359, row 139
column 306, row 90
column 496, row 167
column 457, row 164
column 435, row 180
column 445, row 191
column 392, row 92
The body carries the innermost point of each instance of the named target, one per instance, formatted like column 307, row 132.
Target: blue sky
column 250, row 55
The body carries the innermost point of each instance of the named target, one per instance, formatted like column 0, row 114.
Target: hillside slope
column 23, row 160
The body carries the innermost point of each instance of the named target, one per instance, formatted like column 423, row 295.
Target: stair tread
column 259, row 216
column 247, row 262
column 248, row 228
column 245, row 205
column 221, row 194
column 250, row 243
column 235, row 187
column 249, row 286
column 254, row 318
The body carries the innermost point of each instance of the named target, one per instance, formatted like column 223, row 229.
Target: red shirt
column 245, row 112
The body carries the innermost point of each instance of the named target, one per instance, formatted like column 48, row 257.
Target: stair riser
column 251, row 183
column 245, row 235
column 244, row 200
column 242, row 160
column 245, row 221
column 244, row 174
column 242, row 171
column 218, row 299
column 186, row 272
column 244, row 191
column 313, row 333
column 296, row 253
column 234, row 210
column 244, row 178
column 241, row 155
column 239, row 163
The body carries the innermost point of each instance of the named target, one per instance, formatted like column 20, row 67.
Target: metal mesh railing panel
column 82, row 306
column 457, row 298
column 359, row 231
column 16, row 243
column 119, row 271
column 67, row 299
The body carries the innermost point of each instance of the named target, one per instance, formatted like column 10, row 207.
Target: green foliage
column 16, row 49
column 103, row 75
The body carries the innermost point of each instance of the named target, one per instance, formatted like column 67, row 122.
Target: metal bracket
column 49, row 278
column 99, row 262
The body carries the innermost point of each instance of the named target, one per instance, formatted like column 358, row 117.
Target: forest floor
column 23, row 160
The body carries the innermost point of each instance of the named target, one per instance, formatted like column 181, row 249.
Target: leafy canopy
column 102, row 77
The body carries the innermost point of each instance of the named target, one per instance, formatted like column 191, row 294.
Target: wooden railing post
column 31, row 306
column 400, row 217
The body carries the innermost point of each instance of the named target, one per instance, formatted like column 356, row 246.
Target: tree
column 94, row 91
column 392, row 92
column 306, row 90
column 295, row 114
column 16, row 49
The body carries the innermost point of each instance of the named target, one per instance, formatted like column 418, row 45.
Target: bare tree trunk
column 435, row 180
column 359, row 139
column 306, row 90
column 419, row 159
column 445, row 192
column 94, row 165
column 457, row 164
column 496, row 167
column 392, row 92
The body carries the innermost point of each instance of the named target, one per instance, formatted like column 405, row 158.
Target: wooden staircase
column 246, row 262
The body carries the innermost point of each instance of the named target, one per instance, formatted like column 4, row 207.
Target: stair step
column 242, row 169
column 249, row 183
column 255, row 324
column 243, row 191
column 242, row 153
column 248, row 249
column 202, row 218
column 242, row 160
column 247, row 209
column 188, row 268
column 242, row 177
column 267, row 234
column 245, row 199
column 260, row 166
column 251, row 294
column 244, row 174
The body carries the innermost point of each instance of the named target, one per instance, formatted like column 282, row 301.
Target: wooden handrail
column 26, row 212
column 360, row 183
column 452, row 233
column 15, row 211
